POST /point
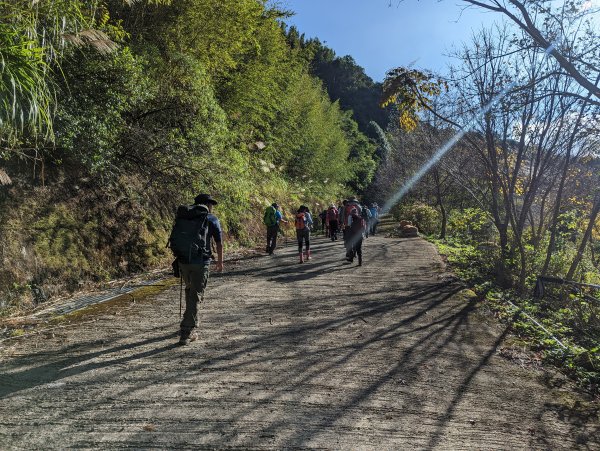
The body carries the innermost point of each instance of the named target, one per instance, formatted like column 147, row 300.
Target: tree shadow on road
column 81, row 358
column 402, row 354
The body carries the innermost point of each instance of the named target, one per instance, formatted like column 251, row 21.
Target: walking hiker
column 302, row 222
column 332, row 222
column 271, row 218
column 366, row 217
column 309, row 219
column 355, row 237
column 349, row 205
column 194, row 229
column 342, row 219
column 323, row 218
column 374, row 218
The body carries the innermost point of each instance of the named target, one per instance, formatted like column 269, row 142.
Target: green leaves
column 34, row 36
column 25, row 96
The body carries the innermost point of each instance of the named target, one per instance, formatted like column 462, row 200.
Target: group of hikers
column 354, row 220
column 196, row 229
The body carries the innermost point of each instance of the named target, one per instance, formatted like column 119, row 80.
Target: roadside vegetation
column 114, row 112
column 514, row 205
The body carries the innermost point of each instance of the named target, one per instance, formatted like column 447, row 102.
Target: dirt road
column 392, row 355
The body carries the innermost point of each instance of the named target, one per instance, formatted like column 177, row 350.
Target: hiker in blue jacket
column 374, row 218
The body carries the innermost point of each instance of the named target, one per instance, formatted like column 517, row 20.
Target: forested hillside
column 345, row 81
column 114, row 112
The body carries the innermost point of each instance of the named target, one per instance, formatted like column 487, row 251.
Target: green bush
column 424, row 217
column 472, row 224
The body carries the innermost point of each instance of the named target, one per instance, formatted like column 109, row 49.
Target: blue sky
column 380, row 37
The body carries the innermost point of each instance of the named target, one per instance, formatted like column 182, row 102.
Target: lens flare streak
column 451, row 142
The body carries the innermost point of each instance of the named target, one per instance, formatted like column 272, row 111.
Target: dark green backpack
column 269, row 218
column 189, row 236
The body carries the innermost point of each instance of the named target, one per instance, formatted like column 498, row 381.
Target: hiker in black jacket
column 355, row 232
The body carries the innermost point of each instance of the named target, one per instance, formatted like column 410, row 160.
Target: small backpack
column 189, row 236
column 348, row 211
column 270, row 218
column 332, row 214
column 300, row 221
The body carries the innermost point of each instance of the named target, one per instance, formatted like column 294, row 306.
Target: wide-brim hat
column 204, row 199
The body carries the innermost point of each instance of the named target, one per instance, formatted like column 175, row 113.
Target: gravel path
column 391, row 355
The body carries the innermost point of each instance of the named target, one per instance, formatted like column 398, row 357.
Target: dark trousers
column 374, row 223
column 333, row 230
column 355, row 248
column 303, row 236
column 272, row 232
column 195, row 278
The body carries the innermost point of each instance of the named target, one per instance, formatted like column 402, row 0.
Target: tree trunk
column 444, row 223
column 586, row 237
column 561, row 186
column 438, row 193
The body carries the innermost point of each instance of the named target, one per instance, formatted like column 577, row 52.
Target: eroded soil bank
column 391, row 355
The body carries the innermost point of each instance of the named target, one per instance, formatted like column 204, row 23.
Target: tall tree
column 557, row 29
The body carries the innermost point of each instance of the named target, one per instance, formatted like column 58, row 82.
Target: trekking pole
column 180, row 294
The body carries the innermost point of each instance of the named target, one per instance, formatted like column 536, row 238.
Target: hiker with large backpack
column 355, row 229
column 190, row 240
column 349, row 205
column 302, row 222
column 271, row 218
column 332, row 222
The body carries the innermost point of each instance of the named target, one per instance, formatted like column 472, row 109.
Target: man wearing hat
column 195, row 273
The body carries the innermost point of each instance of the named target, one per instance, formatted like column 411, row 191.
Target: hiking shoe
column 186, row 339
